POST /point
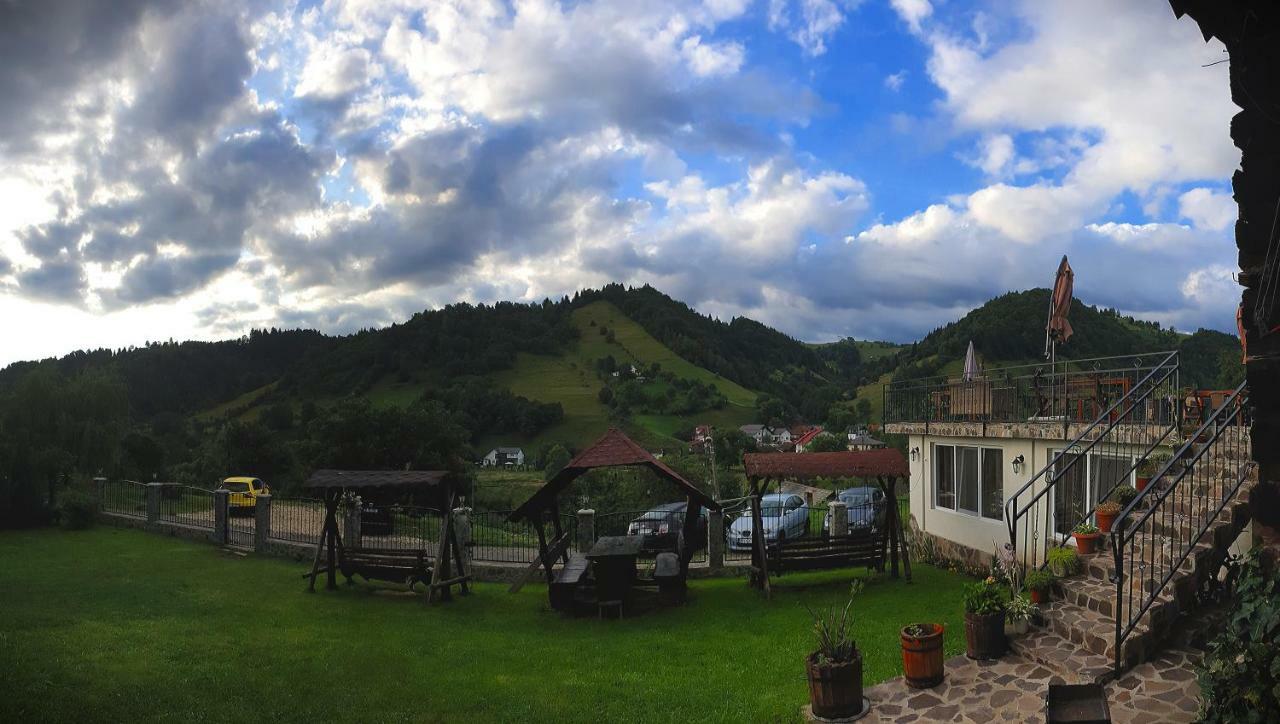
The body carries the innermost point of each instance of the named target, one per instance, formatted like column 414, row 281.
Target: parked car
column 662, row 525
column 376, row 518
column 785, row 517
column 866, row 508
column 244, row 494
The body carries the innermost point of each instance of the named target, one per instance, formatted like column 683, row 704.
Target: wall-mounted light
column 1018, row 463
column 915, row 454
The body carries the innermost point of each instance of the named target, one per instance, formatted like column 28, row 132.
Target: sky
column 833, row 168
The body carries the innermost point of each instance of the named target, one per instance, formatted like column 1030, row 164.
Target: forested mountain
column 439, row 387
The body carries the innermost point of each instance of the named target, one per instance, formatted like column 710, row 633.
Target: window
column 969, row 479
column 1082, row 482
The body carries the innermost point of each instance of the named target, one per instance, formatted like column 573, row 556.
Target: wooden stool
column 602, row 606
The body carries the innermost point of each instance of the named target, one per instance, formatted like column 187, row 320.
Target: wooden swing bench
column 390, row 566
column 858, row 548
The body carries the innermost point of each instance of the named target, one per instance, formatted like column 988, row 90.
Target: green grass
column 121, row 625
column 872, row 351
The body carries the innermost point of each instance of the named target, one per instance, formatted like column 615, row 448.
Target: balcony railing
column 1069, row 391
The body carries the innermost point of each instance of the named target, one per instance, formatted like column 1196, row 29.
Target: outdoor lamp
column 915, row 454
column 1018, row 462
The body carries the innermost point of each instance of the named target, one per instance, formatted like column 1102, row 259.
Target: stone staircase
column 1077, row 633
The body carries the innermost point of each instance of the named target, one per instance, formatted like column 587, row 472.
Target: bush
column 76, row 509
column 1124, row 494
column 1038, row 579
column 984, row 597
column 1063, row 561
column 1240, row 674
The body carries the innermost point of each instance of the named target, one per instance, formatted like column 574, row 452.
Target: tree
column 863, row 409
column 557, row 457
column 826, row 442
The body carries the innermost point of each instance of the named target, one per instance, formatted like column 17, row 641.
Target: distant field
column 248, row 401
column 871, row 351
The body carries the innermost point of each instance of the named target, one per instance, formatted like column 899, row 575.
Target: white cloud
column 913, row 12
column 810, row 23
column 706, row 59
column 894, row 81
column 1208, row 209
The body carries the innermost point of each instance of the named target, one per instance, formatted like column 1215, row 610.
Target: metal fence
column 186, row 505
column 242, row 521
column 1069, row 390
column 296, row 520
column 125, row 497
column 660, row 530
column 495, row 539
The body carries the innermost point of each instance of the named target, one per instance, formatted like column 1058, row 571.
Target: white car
column 785, row 517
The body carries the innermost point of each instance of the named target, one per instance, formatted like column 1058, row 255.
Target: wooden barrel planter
column 984, row 635
column 835, row 689
column 922, row 656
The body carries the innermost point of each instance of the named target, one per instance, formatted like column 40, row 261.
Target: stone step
column 1100, row 597
column 1074, row 664
column 1091, row 631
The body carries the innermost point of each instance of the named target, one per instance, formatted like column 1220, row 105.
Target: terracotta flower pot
column 984, row 635
column 1087, row 543
column 1105, row 520
column 1143, row 483
column 1038, row 596
column 922, row 657
column 835, row 689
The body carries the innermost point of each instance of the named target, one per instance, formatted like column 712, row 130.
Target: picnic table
column 614, row 559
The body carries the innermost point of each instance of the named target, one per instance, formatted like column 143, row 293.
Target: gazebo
column 614, row 449
column 408, row 567
column 885, row 466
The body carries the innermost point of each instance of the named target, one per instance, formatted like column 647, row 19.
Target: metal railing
column 1154, row 536
column 186, row 505
column 1066, row 391
column 660, row 530
column 296, row 520
column 125, row 497
column 1087, row 470
column 496, row 539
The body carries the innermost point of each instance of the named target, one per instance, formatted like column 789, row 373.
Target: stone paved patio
column 1013, row 690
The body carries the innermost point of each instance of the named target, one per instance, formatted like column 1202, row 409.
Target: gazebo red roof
column 614, row 449
column 858, row 464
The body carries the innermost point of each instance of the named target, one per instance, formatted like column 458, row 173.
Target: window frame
column 981, row 452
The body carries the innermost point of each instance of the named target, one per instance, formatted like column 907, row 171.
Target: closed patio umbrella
column 1059, row 329
column 971, row 368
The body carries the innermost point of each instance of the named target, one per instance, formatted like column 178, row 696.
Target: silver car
column 785, row 517
column 866, row 509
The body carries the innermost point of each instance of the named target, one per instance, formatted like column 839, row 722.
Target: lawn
column 112, row 624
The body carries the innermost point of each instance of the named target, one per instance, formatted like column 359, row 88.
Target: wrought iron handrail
column 1017, row 393
column 1125, row 430
column 1182, row 505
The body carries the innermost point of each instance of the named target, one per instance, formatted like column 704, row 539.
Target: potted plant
column 922, row 655
column 1017, row 615
column 835, row 667
column 1105, row 514
column 1039, row 583
column 1087, row 537
column 984, row 620
column 1063, row 561
column 1147, row 469
column 1123, row 494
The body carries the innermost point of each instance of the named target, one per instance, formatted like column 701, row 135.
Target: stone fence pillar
column 462, row 529
column 586, row 530
column 99, row 492
column 715, row 535
column 839, row 517
column 351, row 524
column 220, row 500
column 153, row 502
column 261, row 523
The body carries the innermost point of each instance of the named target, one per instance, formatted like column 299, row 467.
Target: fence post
column 220, row 500
column 261, row 523
column 99, row 492
column 839, row 517
column 153, row 502
column 715, row 544
column 351, row 524
column 586, row 529
column 462, row 528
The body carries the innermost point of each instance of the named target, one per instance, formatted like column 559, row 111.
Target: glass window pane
column 944, row 477
column 1105, row 473
column 992, row 484
column 968, row 478
column 1069, row 493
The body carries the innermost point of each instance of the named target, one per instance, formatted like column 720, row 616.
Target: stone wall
column 928, row 548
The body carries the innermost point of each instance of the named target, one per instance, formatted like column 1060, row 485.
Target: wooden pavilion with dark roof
column 885, row 466
column 614, row 449
column 407, row 567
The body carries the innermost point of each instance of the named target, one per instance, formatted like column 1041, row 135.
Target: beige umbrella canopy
column 972, row 370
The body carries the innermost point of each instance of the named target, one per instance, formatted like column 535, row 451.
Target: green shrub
column 832, row 630
column 1240, row 674
column 984, row 597
column 1063, row 561
column 76, row 509
column 1039, row 579
column 1152, row 465
column 1124, row 494
column 1085, row 529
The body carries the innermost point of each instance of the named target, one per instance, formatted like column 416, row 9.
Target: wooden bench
column 860, row 547
column 393, row 566
column 566, row 584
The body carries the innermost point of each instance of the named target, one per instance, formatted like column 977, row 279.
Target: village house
column 503, row 457
column 803, row 440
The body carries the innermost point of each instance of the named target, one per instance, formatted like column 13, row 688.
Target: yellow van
column 244, row 493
